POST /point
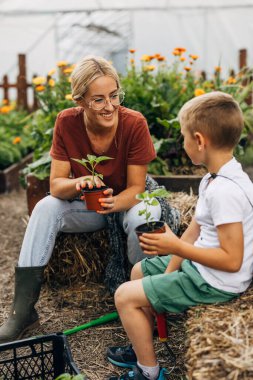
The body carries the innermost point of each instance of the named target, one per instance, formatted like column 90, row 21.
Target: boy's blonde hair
column 86, row 71
column 216, row 115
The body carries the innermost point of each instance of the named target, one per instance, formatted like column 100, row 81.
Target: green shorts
column 177, row 291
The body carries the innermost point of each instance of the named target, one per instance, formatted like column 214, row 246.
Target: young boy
column 213, row 260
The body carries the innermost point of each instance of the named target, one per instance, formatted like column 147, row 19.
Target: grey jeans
column 52, row 215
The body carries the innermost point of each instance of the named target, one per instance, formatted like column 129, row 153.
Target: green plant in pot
column 92, row 195
column 149, row 200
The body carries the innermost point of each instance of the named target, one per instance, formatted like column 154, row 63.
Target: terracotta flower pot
column 152, row 228
column 92, row 196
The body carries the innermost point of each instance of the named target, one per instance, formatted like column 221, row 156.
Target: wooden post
column 35, row 100
column 22, row 82
column 6, row 88
column 242, row 58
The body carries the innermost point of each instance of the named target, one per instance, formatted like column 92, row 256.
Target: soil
column 65, row 307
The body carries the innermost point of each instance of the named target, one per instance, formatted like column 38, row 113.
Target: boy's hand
column 159, row 244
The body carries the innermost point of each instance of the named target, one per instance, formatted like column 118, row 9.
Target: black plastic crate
column 42, row 358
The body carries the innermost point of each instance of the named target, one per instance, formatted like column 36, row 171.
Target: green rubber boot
column 23, row 315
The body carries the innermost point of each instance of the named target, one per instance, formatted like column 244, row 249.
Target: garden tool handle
column 161, row 322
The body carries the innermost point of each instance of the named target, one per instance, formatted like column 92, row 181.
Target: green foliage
column 90, row 164
column 53, row 95
column 160, row 90
column 15, row 136
column 149, row 199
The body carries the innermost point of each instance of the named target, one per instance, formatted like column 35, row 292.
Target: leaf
column 103, row 158
column 154, row 202
column 141, row 212
column 162, row 193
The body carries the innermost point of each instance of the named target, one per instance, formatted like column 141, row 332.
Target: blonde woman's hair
column 216, row 115
column 86, row 71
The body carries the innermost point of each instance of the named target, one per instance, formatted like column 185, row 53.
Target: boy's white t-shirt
column 222, row 201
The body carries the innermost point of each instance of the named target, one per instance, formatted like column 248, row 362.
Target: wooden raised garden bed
column 9, row 178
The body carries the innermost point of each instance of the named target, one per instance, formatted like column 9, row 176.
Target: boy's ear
column 200, row 140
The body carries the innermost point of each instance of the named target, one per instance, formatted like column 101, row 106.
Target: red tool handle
column 161, row 322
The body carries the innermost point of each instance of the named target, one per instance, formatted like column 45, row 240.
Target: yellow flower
column 39, row 80
column 187, row 68
column 132, row 61
column 199, row 91
column 149, row 68
column 68, row 70
column 132, row 51
column 69, row 79
column 145, row 58
column 68, row 97
column 51, row 82
column 217, row 69
column 231, row 80
column 51, row 72
column 16, row 140
column 62, row 63
column 40, row 88
column 182, row 59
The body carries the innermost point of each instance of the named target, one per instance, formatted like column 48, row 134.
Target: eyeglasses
column 99, row 103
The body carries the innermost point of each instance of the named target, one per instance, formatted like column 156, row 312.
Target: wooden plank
column 9, row 178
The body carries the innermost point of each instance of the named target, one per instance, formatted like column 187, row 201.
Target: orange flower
column 231, row 80
column 182, row 59
column 6, row 109
column 199, row 91
column 132, row 61
column 217, row 69
column 5, row 102
column 187, row 68
column 160, row 59
column 176, row 52
column 132, row 51
column 194, row 56
column 40, row 88
column 157, row 55
column 17, row 140
column 180, row 49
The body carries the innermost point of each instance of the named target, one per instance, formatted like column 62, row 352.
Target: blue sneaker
column 122, row 356
column 137, row 374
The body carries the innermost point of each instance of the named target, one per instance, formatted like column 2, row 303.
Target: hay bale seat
column 219, row 337
column 83, row 257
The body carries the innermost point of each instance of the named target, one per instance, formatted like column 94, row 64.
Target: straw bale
column 220, row 340
column 83, row 257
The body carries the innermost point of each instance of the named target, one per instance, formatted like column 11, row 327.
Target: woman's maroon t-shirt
column 132, row 145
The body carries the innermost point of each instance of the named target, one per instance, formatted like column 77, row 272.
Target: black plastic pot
column 153, row 228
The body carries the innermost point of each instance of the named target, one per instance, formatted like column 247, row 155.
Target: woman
column 98, row 126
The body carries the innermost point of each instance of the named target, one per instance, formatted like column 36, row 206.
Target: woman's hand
column 108, row 202
column 86, row 182
column 155, row 244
